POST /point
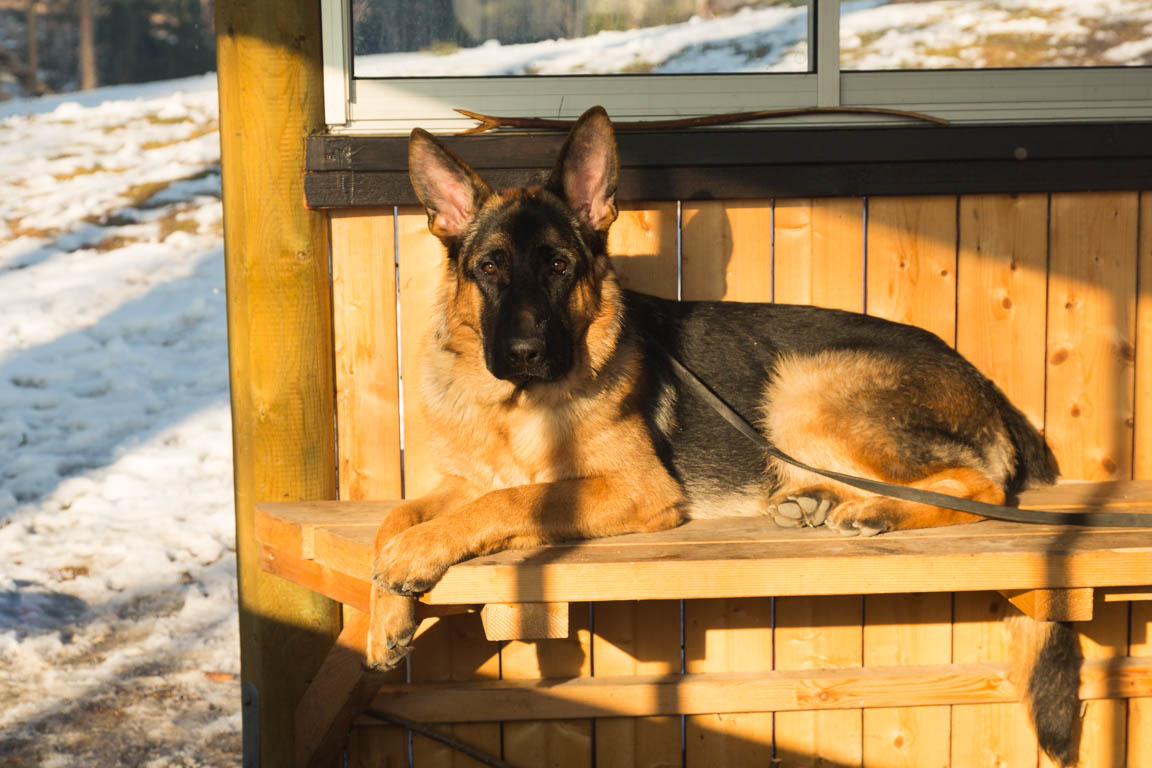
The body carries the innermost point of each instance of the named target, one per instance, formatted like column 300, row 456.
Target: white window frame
column 396, row 105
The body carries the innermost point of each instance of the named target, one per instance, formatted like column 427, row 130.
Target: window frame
column 989, row 96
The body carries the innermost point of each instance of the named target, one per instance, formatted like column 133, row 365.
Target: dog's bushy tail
column 1035, row 462
column 1047, row 664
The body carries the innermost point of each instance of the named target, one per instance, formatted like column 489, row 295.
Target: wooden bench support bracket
column 340, row 691
column 525, row 621
column 1073, row 604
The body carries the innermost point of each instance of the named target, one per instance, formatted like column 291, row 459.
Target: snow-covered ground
column 118, row 636
column 874, row 34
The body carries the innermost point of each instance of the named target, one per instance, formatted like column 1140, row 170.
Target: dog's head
column 529, row 262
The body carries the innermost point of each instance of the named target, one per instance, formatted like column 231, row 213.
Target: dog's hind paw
column 799, row 511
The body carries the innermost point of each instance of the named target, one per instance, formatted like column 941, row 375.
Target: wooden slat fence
column 1050, row 295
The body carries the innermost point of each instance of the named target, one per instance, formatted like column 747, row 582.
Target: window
column 393, row 64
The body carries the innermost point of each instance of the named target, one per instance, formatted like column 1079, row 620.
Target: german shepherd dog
column 557, row 416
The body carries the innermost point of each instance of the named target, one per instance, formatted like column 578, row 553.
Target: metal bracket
column 250, row 722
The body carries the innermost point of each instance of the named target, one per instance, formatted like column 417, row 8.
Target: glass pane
column 994, row 34
column 476, row 38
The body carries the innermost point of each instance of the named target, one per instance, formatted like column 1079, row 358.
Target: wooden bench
column 1049, row 572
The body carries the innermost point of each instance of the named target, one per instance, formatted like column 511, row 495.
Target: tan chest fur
column 497, row 437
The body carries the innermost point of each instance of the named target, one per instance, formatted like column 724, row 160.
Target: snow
column 923, row 34
column 118, row 631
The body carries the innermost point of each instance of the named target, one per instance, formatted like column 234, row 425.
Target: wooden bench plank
column 290, row 527
column 744, row 557
column 722, row 692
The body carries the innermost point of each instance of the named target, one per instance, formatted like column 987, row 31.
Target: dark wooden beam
column 351, row 171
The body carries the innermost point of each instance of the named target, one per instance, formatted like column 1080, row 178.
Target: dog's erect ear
column 448, row 188
column 586, row 171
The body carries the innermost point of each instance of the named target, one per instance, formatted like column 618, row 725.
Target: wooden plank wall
column 1049, row 295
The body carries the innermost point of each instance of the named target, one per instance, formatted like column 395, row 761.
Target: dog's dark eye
column 488, row 267
column 559, row 266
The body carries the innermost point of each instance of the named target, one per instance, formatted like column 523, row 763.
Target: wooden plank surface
column 643, row 245
column 637, row 637
column 818, row 255
column 453, row 650
column 457, row 649
column 912, row 262
column 1091, row 328
column 748, row 557
column 1090, row 395
column 1142, row 462
column 364, row 334
column 727, row 256
column 873, row 688
column 364, row 344
column 562, row 743
column 1140, row 709
column 644, row 250
column 911, row 277
column 724, row 636
column 1002, row 282
column 991, row 735
column 279, row 337
column 818, row 258
column 421, row 269
column 727, row 250
column 1140, row 621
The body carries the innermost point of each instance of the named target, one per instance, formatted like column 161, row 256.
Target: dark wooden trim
column 352, row 171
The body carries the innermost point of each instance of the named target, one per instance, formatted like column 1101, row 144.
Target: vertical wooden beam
column 818, row 258
column 279, row 335
column 911, row 278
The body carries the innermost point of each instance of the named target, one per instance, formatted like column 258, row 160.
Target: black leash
column 1097, row 519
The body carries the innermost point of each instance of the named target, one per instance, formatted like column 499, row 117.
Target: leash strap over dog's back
column 1097, row 519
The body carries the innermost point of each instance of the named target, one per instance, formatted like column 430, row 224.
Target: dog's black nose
column 525, row 352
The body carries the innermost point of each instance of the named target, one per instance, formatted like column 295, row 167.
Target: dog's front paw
column 390, row 632
column 412, row 562
column 861, row 517
column 799, row 511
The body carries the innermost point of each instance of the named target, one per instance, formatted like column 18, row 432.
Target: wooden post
column 279, row 337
